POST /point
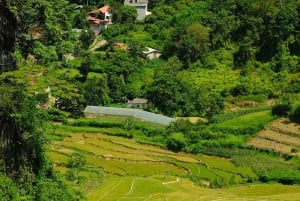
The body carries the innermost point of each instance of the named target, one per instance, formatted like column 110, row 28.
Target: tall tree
column 21, row 141
column 189, row 45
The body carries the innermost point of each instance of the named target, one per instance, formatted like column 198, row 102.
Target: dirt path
column 98, row 44
column 171, row 182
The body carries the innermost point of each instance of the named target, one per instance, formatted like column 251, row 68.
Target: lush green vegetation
column 213, row 54
column 234, row 63
column 117, row 164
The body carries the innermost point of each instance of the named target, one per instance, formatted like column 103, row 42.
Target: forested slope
column 213, row 53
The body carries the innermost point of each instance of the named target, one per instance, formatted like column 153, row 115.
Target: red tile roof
column 96, row 20
column 93, row 20
column 104, row 9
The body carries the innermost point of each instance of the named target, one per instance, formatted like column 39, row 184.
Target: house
column 100, row 19
column 98, row 111
column 141, row 8
column 137, row 103
column 152, row 53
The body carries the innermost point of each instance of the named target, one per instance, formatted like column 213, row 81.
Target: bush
column 281, row 109
column 48, row 190
column 57, row 115
column 295, row 116
column 8, row 191
column 96, row 123
column 239, row 90
column 176, row 142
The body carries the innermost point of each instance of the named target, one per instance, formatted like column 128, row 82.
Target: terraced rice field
column 120, row 169
column 122, row 156
column 149, row 189
column 279, row 136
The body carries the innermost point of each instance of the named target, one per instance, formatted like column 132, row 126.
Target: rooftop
column 103, row 9
column 126, row 2
column 138, row 101
column 137, row 113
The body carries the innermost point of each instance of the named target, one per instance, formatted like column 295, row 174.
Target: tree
column 76, row 161
column 125, row 14
column 165, row 91
column 21, row 139
column 190, row 45
column 45, row 54
column 96, row 89
column 68, row 97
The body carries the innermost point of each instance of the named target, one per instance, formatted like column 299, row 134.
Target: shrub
column 176, row 142
column 295, row 116
column 48, row 190
column 239, row 90
column 281, row 109
column 57, row 115
column 8, row 191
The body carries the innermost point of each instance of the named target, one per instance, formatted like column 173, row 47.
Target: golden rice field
column 120, row 169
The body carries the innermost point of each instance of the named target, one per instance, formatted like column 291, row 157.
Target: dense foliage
column 216, row 56
column 212, row 53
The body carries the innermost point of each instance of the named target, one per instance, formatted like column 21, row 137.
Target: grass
column 245, row 124
column 119, row 168
column 114, row 120
column 218, row 162
column 122, row 156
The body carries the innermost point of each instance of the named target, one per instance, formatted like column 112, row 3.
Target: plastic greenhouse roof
column 137, row 113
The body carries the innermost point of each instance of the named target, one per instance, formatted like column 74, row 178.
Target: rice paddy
column 120, row 169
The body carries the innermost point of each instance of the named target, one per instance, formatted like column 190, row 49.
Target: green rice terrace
column 112, row 159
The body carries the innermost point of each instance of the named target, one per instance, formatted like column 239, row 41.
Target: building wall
column 153, row 55
column 142, row 11
column 141, row 7
column 94, row 27
column 108, row 16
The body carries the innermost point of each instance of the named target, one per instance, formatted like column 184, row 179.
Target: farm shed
column 96, row 111
column 137, row 103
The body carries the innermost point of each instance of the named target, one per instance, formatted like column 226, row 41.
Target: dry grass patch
column 279, row 136
column 269, row 145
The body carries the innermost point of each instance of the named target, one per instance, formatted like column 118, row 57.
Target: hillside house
column 100, row 19
column 152, row 53
column 137, row 103
column 141, row 8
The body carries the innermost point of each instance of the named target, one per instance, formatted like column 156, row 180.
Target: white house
column 100, row 19
column 141, row 8
column 152, row 53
